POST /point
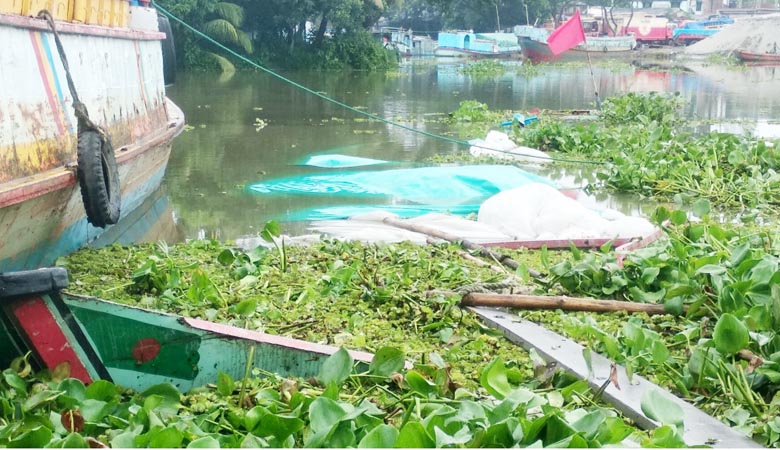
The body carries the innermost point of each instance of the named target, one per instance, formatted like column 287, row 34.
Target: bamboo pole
column 484, row 251
column 558, row 302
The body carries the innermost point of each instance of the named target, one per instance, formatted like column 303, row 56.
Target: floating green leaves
column 730, row 334
column 661, row 408
column 336, row 368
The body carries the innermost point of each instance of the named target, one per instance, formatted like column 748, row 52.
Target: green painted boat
column 134, row 347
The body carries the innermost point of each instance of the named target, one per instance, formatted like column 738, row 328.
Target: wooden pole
column 558, row 302
column 484, row 251
column 593, row 77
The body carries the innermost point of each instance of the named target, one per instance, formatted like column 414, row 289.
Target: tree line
column 332, row 34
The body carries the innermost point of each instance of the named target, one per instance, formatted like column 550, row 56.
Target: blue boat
column 695, row 31
column 466, row 44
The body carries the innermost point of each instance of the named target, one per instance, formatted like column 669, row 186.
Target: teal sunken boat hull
column 134, row 347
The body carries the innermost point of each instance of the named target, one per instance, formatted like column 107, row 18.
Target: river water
column 254, row 127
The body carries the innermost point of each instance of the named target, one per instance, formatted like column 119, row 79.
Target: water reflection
column 225, row 149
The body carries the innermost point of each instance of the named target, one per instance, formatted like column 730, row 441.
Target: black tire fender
column 168, row 49
column 98, row 178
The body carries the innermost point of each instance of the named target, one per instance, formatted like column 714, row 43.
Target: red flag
column 567, row 35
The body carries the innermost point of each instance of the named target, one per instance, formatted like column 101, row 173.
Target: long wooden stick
column 558, row 302
column 484, row 251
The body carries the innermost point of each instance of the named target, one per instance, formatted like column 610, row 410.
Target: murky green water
column 254, row 127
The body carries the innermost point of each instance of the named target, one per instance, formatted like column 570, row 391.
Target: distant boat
column 534, row 44
column 697, row 30
column 607, row 44
column 465, row 44
column 406, row 42
column 537, row 51
column 746, row 56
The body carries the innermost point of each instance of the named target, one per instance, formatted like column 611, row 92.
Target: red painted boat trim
column 560, row 243
column 623, row 250
column 46, row 337
column 18, row 21
column 758, row 57
column 47, row 75
column 24, row 189
column 272, row 339
column 622, row 245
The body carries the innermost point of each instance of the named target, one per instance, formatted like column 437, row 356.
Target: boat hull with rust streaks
column 118, row 75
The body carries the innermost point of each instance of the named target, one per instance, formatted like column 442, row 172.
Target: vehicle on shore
column 651, row 30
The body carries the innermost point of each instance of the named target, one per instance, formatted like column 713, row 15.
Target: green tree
column 225, row 28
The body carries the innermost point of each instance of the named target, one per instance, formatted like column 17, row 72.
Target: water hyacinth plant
column 383, row 406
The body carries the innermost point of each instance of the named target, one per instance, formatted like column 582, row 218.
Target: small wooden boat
column 134, row 347
column 746, row 56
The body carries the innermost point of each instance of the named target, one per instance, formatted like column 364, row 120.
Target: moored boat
column 465, row 44
column 770, row 58
column 607, row 44
column 694, row 31
column 66, row 176
column 537, row 50
column 534, row 44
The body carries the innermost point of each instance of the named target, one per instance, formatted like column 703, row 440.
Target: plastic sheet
column 337, row 161
column 441, row 186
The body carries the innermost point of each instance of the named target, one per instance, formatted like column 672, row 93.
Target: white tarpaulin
column 532, row 212
column 498, row 145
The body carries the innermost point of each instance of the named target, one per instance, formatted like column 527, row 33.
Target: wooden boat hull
column 771, row 58
column 537, row 51
column 43, row 217
column 118, row 74
column 445, row 52
column 134, row 347
column 606, row 44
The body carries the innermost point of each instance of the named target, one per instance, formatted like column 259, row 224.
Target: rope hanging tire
column 97, row 170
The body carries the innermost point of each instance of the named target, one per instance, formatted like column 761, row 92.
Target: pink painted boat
column 53, row 167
